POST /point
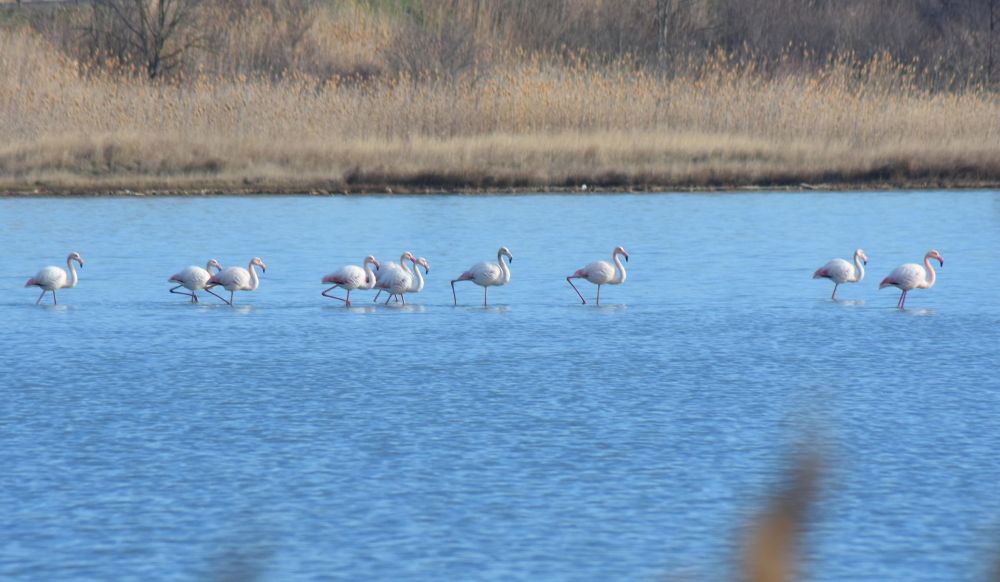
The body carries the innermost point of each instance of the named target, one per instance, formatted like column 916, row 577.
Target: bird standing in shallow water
column 239, row 279
column 840, row 271
column 486, row 274
column 351, row 277
column 193, row 279
column 912, row 276
column 52, row 278
column 601, row 273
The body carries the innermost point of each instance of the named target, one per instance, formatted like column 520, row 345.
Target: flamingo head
column 259, row 263
column 933, row 254
column 75, row 256
column 504, row 251
column 374, row 261
column 621, row 251
column 407, row 256
column 861, row 255
column 423, row 262
column 214, row 263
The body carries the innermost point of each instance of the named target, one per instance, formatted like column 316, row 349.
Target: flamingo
column 486, row 274
column 352, row 277
column 395, row 279
column 840, row 271
column 235, row 279
column 601, row 273
column 913, row 276
column 387, row 268
column 194, row 278
column 52, row 278
column 417, row 285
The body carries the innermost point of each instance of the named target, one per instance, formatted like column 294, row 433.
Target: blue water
column 292, row 438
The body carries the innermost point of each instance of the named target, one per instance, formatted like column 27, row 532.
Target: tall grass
column 530, row 120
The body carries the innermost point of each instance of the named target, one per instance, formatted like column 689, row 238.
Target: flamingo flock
column 904, row 277
column 407, row 276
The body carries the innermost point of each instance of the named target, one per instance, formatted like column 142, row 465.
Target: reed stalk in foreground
column 535, row 122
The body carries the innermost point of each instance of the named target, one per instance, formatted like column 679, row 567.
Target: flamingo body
column 194, row 279
column 234, row 279
column 601, row 273
column 840, row 271
column 352, row 277
column 49, row 279
column 912, row 276
column 487, row 274
column 395, row 278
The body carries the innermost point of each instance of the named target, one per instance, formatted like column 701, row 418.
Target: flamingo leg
column 485, row 289
column 214, row 293
column 453, row 296
column 324, row 294
column 377, row 296
column 834, row 296
column 347, row 302
column 54, row 301
column 231, row 298
column 172, row 290
column 39, row 300
column 387, row 300
column 902, row 301
column 570, row 281
column 598, row 294
column 402, row 298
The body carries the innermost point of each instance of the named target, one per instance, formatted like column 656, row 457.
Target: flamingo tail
column 820, row 274
column 31, row 282
column 885, row 283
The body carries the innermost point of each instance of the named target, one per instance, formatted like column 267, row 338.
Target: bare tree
column 155, row 34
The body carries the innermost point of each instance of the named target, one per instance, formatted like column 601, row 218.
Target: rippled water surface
column 291, row 438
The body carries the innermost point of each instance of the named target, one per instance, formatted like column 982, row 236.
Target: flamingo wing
column 907, row 276
column 485, row 274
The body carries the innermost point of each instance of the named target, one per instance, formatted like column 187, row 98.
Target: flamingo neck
column 504, row 269
column 931, row 275
column 254, row 280
column 859, row 269
column 620, row 273
column 418, row 283
column 208, row 267
column 72, row 275
column 369, row 275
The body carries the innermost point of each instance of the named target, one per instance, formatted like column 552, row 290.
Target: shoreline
column 397, row 189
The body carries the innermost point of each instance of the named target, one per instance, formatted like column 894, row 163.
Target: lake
column 289, row 437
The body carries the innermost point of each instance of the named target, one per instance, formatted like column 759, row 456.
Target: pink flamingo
column 239, row 279
column 417, row 285
column 486, row 274
column 52, row 278
column 601, row 273
column 395, row 279
column 840, row 271
column 194, row 278
column 351, row 277
column 912, row 276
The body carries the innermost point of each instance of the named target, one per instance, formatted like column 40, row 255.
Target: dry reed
column 532, row 122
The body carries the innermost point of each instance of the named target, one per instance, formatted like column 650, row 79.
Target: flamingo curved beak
column 941, row 261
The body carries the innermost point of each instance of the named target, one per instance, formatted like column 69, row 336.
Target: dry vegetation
column 297, row 96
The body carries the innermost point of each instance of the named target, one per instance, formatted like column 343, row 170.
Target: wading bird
column 840, row 271
column 351, row 277
column 235, row 279
column 601, row 273
column 395, row 278
column 913, row 276
column 486, row 274
column 194, row 278
column 52, row 278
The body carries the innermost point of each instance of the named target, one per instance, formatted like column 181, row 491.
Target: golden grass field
column 528, row 123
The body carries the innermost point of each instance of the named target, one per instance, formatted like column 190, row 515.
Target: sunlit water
column 291, row 438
